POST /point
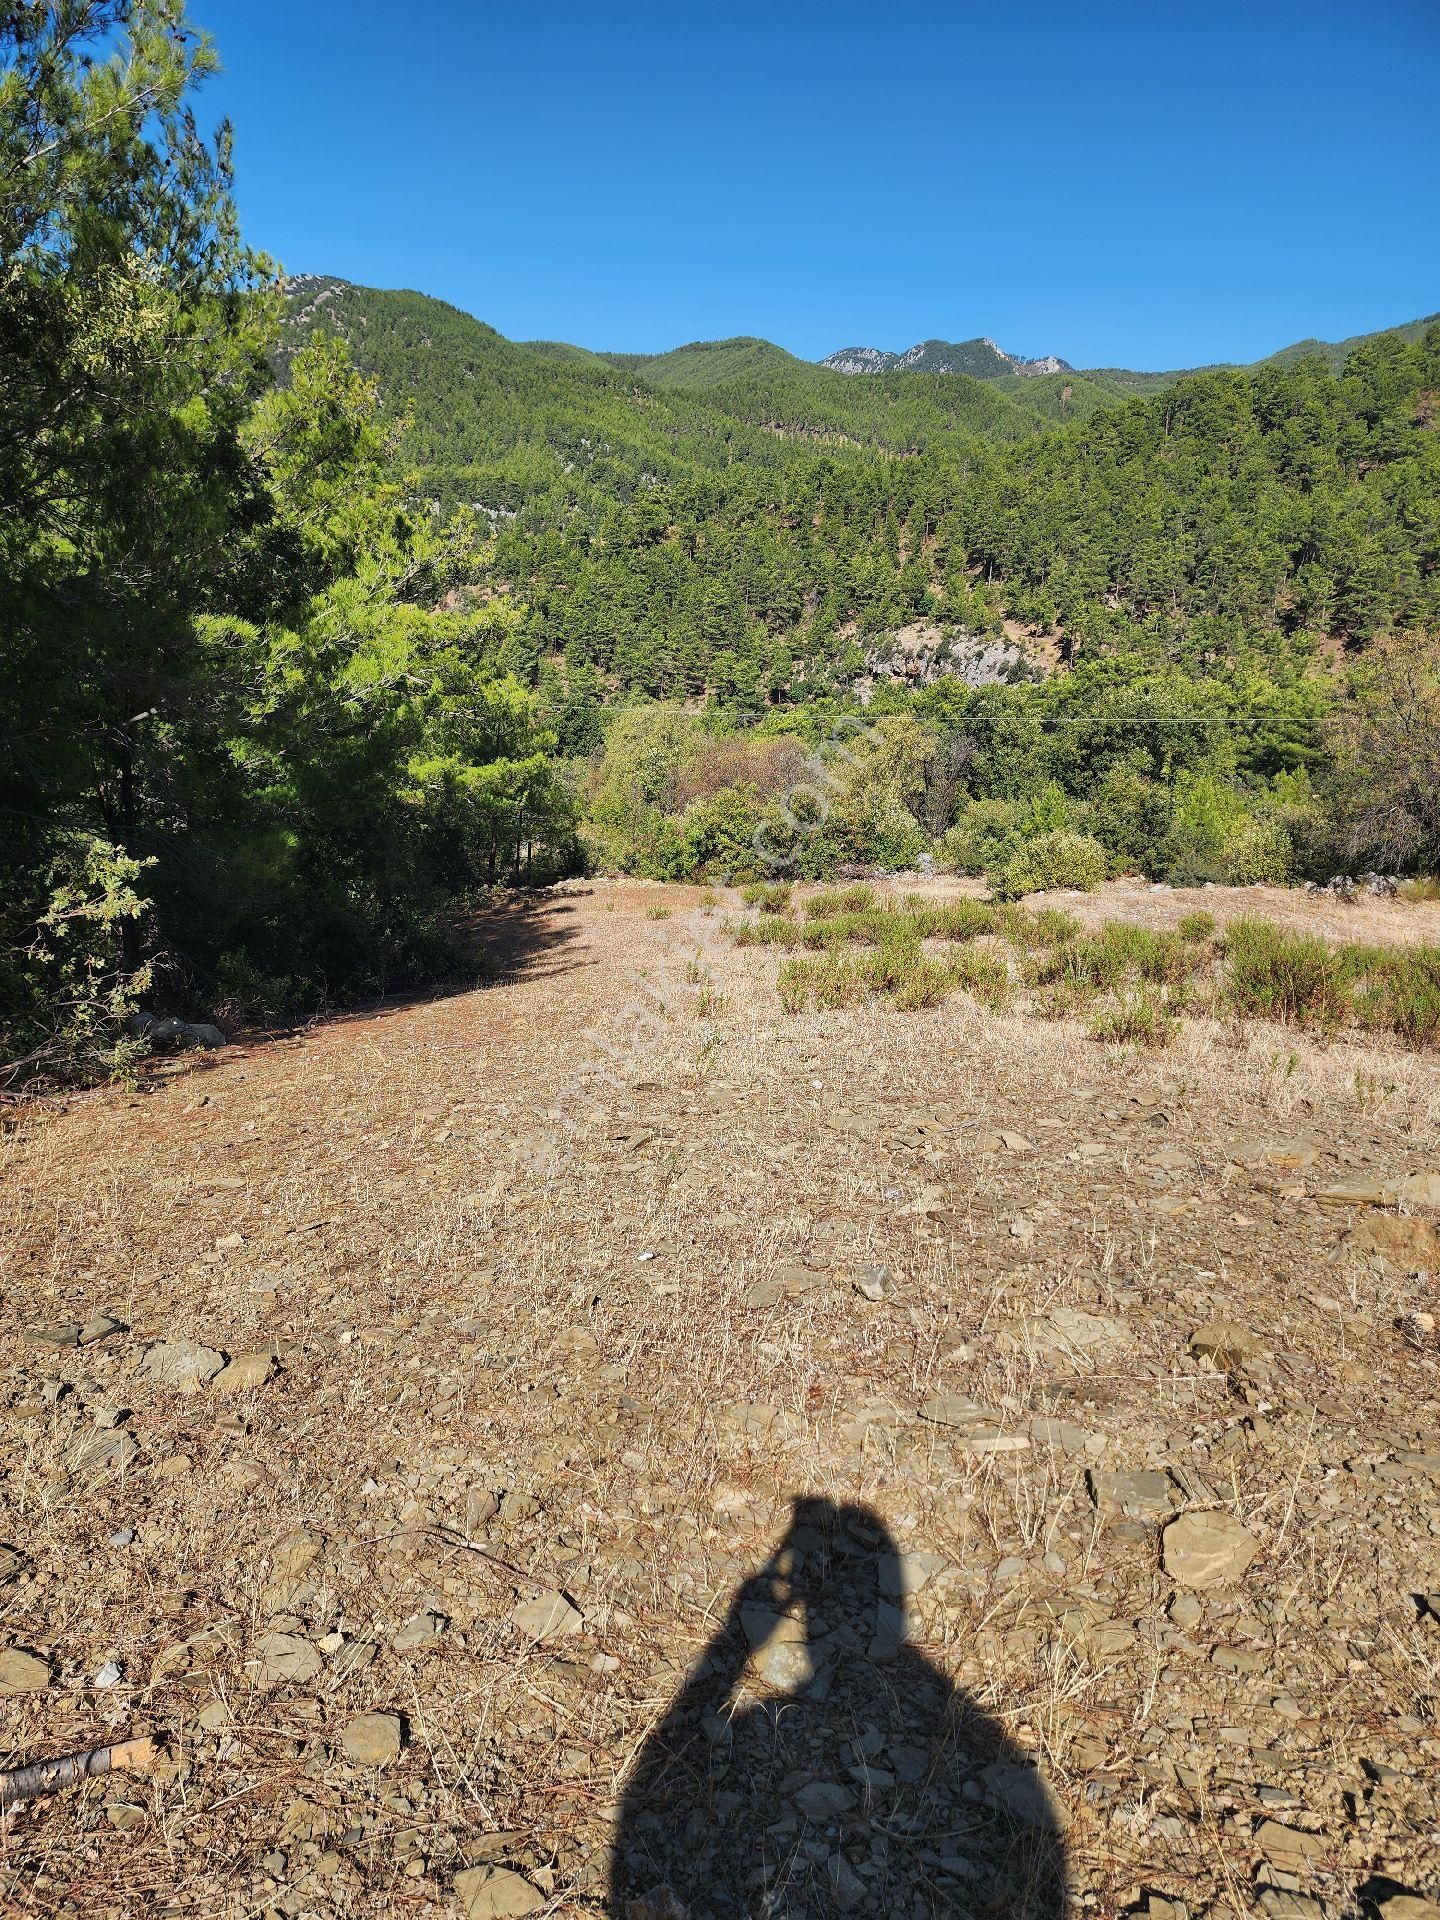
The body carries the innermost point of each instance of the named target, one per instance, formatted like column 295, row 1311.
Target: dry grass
column 506, row 1240
column 1396, row 921
column 1256, row 968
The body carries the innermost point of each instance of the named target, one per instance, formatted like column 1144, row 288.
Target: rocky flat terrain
column 595, row 1443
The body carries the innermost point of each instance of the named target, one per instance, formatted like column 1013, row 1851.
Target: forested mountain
column 1333, row 352
column 713, row 363
column 501, row 424
column 730, row 518
column 1336, row 352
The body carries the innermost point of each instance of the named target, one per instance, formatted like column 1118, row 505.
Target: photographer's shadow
column 815, row 1765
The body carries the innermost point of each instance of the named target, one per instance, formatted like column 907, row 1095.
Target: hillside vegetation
column 1209, row 566
column 1335, row 353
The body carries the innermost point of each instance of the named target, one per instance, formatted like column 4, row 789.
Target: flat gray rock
column 1207, row 1549
column 22, row 1672
column 875, row 1283
column 373, row 1739
column 950, row 1410
column 178, row 1363
column 1143, row 1492
column 1226, row 1344
column 113, row 1448
column 100, row 1328
column 547, row 1616
column 824, row 1800
column 277, row 1659
column 420, row 1631
column 1070, row 1332
column 245, row 1373
column 496, row 1893
column 1022, row 1793
column 64, row 1333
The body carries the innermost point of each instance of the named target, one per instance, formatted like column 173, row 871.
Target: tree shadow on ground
column 816, row 1765
column 521, row 934
column 518, row 934
column 515, row 935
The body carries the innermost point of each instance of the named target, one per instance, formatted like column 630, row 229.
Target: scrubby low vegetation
column 1132, row 982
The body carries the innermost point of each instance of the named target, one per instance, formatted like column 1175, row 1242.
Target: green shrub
column 64, row 997
column 1101, row 961
column 718, row 834
column 1130, row 815
column 1063, row 1000
column 1050, row 860
column 828, row 983
column 1156, row 956
column 647, row 844
column 1031, row 927
column 1400, row 990
column 958, row 920
column 246, row 997
column 985, row 836
column 920, row 982
column 866, row 926
column 771, row 930
column 645, row 748
column 897, row 970
column 1082, row 968
column 1196, row 926
column 1205, row 813
column 832, row 900
column 770, row 896
column 887, row 967
column 1141, row 1020
column 1257, row 850
column 1294, row 978
column 1414, row 1008
column 985, row 975
column 881, row 832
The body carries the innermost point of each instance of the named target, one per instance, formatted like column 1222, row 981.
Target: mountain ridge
column 706, row 362
column 982, row 358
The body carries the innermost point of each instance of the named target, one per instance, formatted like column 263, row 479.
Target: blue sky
column 1151, row 185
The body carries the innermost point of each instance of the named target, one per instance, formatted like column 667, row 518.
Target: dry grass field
column 463, row 1363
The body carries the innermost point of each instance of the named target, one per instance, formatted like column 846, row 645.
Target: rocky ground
column 406, row 1423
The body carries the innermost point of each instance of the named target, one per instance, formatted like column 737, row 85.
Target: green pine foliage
column 250, row 748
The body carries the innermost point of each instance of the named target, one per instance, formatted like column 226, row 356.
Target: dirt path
column 540, row 1310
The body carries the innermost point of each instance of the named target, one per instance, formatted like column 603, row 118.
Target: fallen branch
column 45, row 1776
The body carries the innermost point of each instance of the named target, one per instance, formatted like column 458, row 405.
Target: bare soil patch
column 554, row 1296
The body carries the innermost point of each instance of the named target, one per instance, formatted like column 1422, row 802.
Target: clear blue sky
column 1123, row 182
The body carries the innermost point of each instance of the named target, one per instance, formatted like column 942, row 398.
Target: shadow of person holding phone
column 815, row 1765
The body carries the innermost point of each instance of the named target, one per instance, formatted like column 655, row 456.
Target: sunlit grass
column 1133, row 981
